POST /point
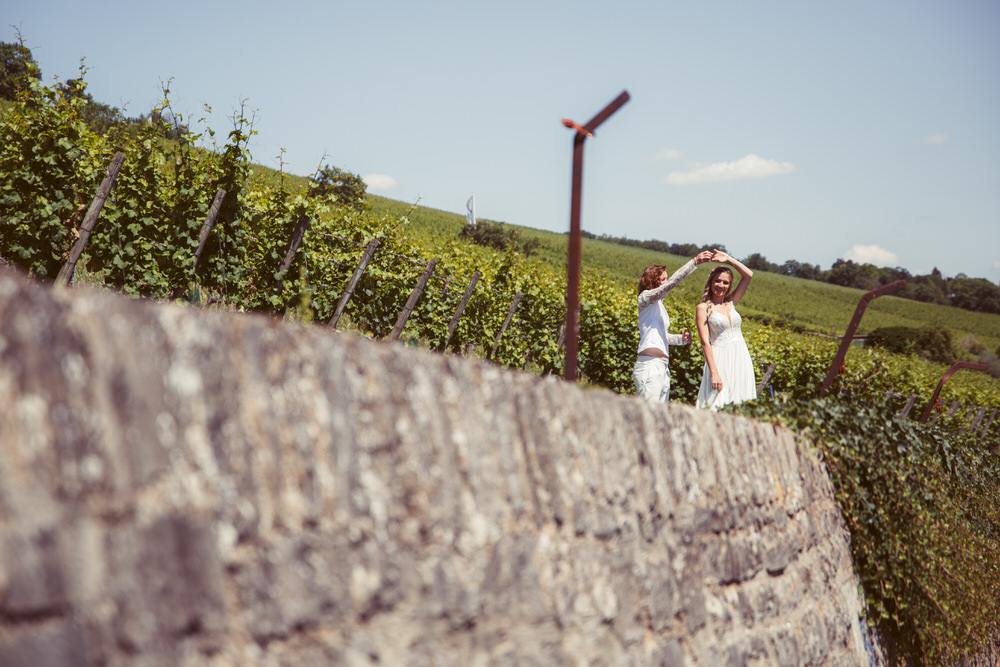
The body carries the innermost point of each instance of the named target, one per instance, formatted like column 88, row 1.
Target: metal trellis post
column 944, row 378
column 845, row 342
column 575, row 235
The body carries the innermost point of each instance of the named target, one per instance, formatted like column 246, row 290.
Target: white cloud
column 379, row 182
column 667, row 154
column 750, row 166
column 871, row 254
column 937, row 139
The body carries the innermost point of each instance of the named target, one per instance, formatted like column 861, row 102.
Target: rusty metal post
column 944, row 378
column 575, row 235
column 951, row 410
column 845, row 342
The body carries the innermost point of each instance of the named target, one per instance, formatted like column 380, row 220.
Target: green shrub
column 932, row 343
column 495, row 235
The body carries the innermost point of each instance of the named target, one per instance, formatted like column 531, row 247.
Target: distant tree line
column 961, row 291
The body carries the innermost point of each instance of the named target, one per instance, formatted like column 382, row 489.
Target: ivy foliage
column 922, row 504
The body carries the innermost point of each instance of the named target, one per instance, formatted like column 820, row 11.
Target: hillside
column 143, row 252
column 806, row 305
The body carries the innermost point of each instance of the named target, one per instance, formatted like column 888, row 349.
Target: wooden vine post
column 989, row 422
column 353, row 282
column 461, row 309
column 293, row 247
column 904, row 412
column 767, row 378
column 65, row 276
column 506, row 323
column 980, row 413
column 411, row 303
column 206, row 228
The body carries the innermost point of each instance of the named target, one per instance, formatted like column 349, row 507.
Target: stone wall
column 180, row 487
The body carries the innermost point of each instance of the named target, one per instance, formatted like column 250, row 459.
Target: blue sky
column 800, row 130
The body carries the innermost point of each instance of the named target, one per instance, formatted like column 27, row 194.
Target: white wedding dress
column 732, row 358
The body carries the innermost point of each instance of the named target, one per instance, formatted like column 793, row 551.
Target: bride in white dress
column 728, row 376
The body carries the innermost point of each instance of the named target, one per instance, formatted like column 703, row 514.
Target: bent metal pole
column 944, row 378
column 845, row 341
column 573, row 266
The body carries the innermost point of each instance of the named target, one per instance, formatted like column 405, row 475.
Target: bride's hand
column 716, row 382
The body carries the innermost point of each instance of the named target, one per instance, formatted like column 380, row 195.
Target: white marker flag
column 470, row 207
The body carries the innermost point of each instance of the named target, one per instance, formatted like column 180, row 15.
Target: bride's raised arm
column 745, row 274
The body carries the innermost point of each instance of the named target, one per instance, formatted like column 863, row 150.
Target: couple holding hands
column 728, row 376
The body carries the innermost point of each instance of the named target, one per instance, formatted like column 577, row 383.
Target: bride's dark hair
column 721, row 268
